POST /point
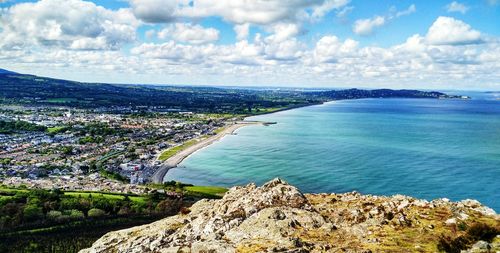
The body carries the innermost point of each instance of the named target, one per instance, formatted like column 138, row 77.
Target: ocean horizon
column 424, row 148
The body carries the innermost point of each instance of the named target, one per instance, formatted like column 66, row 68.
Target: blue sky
column 307, row 43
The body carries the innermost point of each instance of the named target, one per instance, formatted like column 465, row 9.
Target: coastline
column 176, row 159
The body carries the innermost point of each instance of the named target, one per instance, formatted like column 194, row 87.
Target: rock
column 277, row 217
column 479, row 247
column 403, row 204
column 450, row 222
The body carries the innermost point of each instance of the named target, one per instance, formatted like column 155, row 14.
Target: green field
column 207, row 190
column 56, row 129
column 172, row 151
column 111, row 196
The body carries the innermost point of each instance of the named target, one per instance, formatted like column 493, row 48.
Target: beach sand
column 176, row 159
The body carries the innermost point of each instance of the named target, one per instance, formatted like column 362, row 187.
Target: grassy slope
column 208, row 190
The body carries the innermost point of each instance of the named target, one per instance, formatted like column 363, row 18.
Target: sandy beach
column 176, row 159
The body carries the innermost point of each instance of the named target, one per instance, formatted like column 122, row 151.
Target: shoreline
column 176, row 159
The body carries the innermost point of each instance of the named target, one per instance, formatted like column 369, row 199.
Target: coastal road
column 173, row 161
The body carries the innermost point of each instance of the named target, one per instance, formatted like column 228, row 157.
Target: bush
column 169, row 206
column 96, row 212
column 76, row 214
column 54, row 215
column 32, row 212
column 476, row 232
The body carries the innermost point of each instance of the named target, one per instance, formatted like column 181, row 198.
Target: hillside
column 35, row 90
column 277, row 217
column 40, row 91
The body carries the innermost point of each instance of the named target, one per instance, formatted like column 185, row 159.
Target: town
column 93, row 149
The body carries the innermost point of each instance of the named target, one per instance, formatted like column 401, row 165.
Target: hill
column 277, row 217
column 7, row 72
column 34, row 90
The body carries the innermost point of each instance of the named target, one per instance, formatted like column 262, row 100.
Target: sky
column 438, row 44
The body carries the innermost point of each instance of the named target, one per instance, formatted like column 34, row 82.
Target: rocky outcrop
column 277, row 217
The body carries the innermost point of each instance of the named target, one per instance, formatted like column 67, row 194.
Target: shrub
column 476, row 232
column 32, row 212
column 76, row 214
column 96, row 212
column 54, row 215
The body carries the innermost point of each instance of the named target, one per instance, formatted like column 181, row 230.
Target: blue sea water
column 424, row 148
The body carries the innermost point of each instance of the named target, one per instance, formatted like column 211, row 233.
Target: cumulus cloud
column 366, row 26
column 154, row 11
column 234, row 11
column 189, row 33
column 81, row 37
column 330, row 49
column 70, row 24
column 457, row 7
column 450, row 31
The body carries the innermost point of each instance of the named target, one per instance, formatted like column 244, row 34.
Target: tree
column 32, row 213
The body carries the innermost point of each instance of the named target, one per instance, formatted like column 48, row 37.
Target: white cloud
column 283, row 32
column 242, row 31
column 366, row 26
column 342, row 13
column 457, row 7
column 450, row 31
column 410, row 10
column 175, row 52
column 330, row 49
column 189, row 33
column 234, row 11
column 449, row 54
column 71, row 24
column 327, row 6
column 154, row 11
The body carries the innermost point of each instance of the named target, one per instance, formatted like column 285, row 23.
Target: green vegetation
column 174, row 150
column 190, row 191
column 22, row 209
column 112, row 175
column 476, row 232
column 57, row 130
column 207, row 190
column 8, row 127
column 90, row 139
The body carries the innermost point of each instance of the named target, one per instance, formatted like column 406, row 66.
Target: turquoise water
column 419, row 147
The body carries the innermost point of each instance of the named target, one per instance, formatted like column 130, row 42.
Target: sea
column 425, row 148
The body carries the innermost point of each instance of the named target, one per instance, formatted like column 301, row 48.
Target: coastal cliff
column 277, row 217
